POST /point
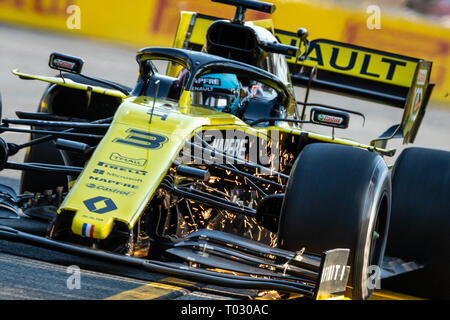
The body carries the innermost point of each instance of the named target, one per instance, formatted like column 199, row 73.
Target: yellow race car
column 203, row 170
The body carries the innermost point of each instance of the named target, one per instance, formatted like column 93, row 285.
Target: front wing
column 314, row 277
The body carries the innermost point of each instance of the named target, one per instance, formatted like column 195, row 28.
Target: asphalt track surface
column 33, row 273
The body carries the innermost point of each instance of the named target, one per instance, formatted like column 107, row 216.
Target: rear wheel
column 420, row 224
column 338, row 197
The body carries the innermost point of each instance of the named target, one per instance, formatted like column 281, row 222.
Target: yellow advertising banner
column 154, row 22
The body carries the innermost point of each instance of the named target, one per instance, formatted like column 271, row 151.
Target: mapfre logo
column 134, row 162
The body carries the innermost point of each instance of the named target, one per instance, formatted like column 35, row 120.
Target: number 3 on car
column 143, row 139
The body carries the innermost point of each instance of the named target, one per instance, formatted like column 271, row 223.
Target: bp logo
column 100, row 205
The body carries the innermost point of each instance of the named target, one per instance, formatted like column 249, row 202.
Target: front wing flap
column 324, row 283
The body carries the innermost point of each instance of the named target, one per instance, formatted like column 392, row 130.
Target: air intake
column 233, row 41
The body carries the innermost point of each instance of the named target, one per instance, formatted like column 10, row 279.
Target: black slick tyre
column 338, row 197
column 420, row 224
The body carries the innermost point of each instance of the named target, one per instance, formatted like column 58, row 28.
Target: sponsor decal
column 112, row 174
column 197, row 89
column 361, row 62
column 208, row 81
column 97, row 171
column 422, row 77
column 330, row 119
column 121, row 168
column 64, row 64
column 134, row 162
column 100, row 205
column 417, row 100
column 108, row 189
column 333, row 273
column 118, row 176
column 117, row 183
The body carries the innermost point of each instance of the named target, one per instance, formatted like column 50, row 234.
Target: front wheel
column 339, row 197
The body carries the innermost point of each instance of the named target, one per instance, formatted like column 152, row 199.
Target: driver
column 218, row 91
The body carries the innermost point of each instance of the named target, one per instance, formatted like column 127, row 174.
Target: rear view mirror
column 276, row 47
column 63, row 62
column 330, row 118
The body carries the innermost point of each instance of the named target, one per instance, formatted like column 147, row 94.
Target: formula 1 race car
column 205, row 172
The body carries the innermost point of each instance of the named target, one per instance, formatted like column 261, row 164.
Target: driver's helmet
column 219, row 91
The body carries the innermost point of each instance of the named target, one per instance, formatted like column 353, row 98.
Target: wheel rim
column 379, row 232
